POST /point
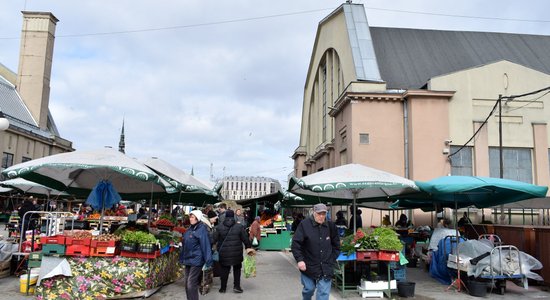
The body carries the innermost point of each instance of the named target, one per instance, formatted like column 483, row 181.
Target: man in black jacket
column 315, row 246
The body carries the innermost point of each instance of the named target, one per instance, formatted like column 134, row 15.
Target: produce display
column 381, row 238
column 106, row 237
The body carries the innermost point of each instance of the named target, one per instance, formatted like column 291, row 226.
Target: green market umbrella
column 78, row 172
column 184, row 188
column 464, row 191
column 29, row 187
column 350, row 184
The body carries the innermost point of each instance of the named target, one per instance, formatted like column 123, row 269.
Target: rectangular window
column 24, row 159
column 364, row 139
column 7, row 160
column 461, row 162
column 517, row 163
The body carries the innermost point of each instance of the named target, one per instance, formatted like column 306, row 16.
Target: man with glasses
column 315, row 246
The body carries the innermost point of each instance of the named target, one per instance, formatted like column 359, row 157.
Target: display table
column 276, row 241
column 110, row 277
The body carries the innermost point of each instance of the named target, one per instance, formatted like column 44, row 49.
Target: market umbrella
column 464, row 191
column 182, row 184
column 78, row 172
column 29, row 187
column 350, row 183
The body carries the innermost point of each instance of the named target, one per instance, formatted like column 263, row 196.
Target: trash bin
column 31, row 284
column 405, row 289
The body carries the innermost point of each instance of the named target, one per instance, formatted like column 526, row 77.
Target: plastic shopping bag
column 249, row 266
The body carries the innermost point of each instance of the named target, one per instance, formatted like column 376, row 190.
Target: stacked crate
column 53, row 245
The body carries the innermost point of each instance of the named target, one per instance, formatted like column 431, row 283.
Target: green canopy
column 464, row 191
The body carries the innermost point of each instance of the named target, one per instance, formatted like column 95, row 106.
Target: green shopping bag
column 249, row 266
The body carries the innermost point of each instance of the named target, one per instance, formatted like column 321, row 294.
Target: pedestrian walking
column 230, row 237
column 255, row 232
column 315, row 246
column 196, row 254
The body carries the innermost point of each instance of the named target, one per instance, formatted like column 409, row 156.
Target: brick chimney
column 35, row 63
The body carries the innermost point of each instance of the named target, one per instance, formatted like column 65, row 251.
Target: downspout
column 406, row 145
column 406, row 135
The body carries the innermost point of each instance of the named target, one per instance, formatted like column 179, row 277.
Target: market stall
column 110, row 277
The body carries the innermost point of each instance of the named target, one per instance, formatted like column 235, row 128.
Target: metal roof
column 408, row 58
column 364, row 58
column 17, row 112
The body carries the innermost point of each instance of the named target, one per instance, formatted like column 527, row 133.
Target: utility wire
column 278, row 16
column 529, row 102
column 510, row 98
column 477, row 131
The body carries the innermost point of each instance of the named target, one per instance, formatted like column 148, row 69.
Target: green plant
column 139, row 237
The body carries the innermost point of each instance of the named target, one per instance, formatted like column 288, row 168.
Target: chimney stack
column 35, row 63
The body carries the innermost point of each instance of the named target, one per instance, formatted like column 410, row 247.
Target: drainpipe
column 406, row 135
column 406, row 144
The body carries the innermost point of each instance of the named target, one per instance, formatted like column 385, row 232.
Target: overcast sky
column 211, row 82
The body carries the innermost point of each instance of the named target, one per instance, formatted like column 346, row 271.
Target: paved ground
column 278, row 279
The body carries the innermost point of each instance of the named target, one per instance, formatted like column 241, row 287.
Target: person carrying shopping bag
column 229, row 238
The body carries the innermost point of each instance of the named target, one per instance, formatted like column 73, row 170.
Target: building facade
column 409, row 101
column 25, row 96
column 245, row 187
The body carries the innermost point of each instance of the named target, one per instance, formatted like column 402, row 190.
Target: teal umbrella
column 464, row 191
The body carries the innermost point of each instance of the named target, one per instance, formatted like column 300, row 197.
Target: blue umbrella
column 103, row 195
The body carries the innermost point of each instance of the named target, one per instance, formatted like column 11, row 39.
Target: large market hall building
column 25, row 96
column 404, row 100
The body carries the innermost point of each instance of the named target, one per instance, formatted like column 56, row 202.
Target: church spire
column 192, row 173
column 121, row 143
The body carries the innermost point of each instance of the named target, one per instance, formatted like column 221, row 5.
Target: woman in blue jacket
column 196, row 253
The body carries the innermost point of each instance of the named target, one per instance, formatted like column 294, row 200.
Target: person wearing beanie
column 229, row 238
column 196, row 253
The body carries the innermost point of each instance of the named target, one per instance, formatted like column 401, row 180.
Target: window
column 364, row 138
column 7, row 160
column 461, row 162
column 24, row 159
column 516, row 162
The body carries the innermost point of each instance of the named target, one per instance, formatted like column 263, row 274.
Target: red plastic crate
column 104, row 251
column 97, row 244
column 140, row 255
column 388, row 255
column 71, row 241
column 367, row 255
column 54, row 239
column 77, row 250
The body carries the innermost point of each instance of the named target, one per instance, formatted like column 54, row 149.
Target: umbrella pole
column 102, row 212
column 457, row 283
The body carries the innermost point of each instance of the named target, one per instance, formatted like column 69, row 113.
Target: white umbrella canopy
column 192, row 190
column 349, row 184
column 344, row 182
column 78, row 172
column 29, row 187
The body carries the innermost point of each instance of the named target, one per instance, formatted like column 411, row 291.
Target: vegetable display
column 381, row 238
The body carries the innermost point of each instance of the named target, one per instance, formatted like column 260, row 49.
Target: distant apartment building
column 25, row 96
column 245, row 187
